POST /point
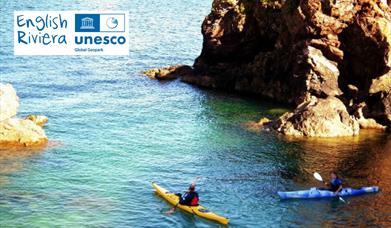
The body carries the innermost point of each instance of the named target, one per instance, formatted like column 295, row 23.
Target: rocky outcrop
column 25, row 132
column 381, row 109
column 291, row 51
column 9, row 101
column 14, row 130
column 263, row 124
column 366, row 123
column 331, row 54
column 168, row 73
column 320, row 117
column 381, row 84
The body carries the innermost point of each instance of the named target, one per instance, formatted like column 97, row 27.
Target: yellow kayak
column 197, row 210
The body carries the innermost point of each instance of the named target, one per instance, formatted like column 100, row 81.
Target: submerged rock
column 318, row 117
column 14, row 130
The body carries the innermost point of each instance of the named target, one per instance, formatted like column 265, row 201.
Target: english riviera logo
column 70, row 33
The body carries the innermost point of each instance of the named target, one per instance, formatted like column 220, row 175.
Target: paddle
column 196, row 179
column 319, row 178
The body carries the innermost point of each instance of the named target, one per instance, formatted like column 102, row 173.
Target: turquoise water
column 112, row 131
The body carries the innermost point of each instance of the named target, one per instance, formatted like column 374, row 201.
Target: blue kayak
column 315, row 193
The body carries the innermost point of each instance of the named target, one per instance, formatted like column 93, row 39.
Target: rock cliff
column 15, row 130
column 319, row 55
column 335, row 54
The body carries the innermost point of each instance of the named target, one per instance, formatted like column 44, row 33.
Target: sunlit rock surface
column 9, row 102
column 15, row 130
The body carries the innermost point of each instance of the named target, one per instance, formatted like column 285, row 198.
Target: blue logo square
column 87, row 22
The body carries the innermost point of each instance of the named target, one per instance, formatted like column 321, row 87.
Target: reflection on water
column 11, row 158
column 364, row 160
column 353, row 157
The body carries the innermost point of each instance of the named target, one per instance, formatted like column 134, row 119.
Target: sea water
column 113, row 131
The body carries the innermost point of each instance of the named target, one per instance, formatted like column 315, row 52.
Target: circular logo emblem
column 112, row 22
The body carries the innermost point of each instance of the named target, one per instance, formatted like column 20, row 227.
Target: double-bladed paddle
column 319, row 178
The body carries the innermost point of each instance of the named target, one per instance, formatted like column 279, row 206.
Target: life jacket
column 189, row 199
column 194, row 201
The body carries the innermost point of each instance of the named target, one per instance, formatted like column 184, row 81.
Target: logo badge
column 71, row 33
column 87, row 23
column 112, row 22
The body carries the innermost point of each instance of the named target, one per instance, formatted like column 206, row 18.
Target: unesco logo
column 85, row 23
column 99, row 22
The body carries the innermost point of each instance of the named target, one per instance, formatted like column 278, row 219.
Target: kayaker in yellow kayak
column 189, row 198
column 199, row 210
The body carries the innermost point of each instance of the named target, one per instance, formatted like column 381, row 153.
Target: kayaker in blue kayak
column 335, row 184
column 189, row 198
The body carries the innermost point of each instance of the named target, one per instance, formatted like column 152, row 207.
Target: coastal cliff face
column 15, row 131
column 331, row 58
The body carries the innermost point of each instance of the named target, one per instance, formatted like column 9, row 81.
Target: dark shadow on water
column 364, row 160
column 258, row 164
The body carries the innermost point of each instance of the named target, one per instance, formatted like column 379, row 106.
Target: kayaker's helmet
column 192, row 187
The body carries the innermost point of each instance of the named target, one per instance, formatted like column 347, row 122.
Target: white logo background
column 71, row 48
